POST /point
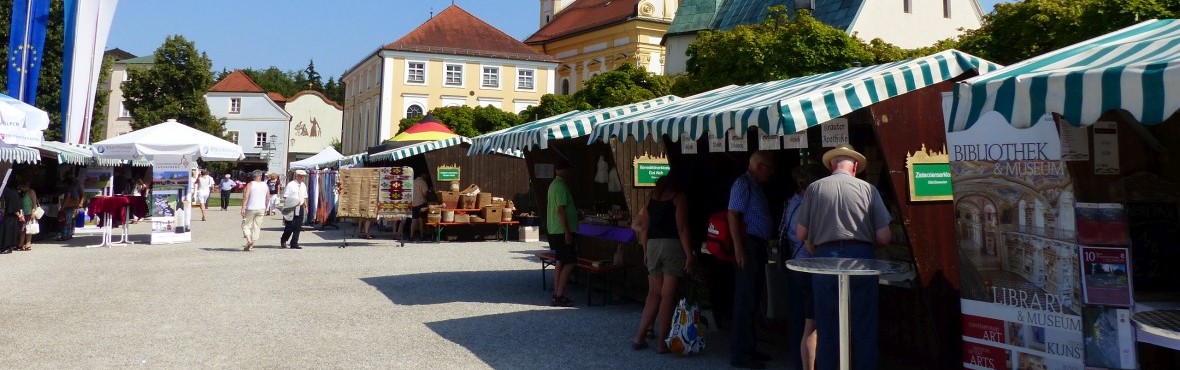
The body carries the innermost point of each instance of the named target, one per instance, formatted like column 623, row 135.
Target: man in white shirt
column 295, row 205
column 204, row 187
column 227, row 187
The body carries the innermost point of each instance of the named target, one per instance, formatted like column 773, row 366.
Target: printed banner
column 395, row 193
column 1020, row 264
column 1106, row 278
column 171, row 221
column 1110, row 339
column 26, row 41
column 87, row 25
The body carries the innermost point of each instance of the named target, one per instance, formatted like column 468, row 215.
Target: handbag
column 685, row 337
column 32, row 227
column 38, row 212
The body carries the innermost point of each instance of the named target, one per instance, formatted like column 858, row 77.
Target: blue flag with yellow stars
column 25, row 42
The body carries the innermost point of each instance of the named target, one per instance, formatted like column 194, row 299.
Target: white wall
column 305, row 108
column 258, row 114
column 922, row 27
column 676, row 47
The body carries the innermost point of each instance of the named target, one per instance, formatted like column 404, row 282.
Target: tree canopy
column 626, row 84
column 173, row 88
column 468, row 121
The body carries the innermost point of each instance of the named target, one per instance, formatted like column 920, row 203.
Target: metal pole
column 845, row 350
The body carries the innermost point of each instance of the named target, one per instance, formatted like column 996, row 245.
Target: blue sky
column 335, row 33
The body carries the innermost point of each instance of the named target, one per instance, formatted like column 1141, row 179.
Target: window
column 565, row 87
column 235, row 105
column 259, row 139
column 907, row 6
column 454, row 75
column 491, row 77
column 126, row 76
column 946, row 9
column 233, row 137
column 524, row 79
column 123, row 112
column 414, row 110
column 416, row 72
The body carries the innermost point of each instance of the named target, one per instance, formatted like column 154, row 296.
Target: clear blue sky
column 286, row 34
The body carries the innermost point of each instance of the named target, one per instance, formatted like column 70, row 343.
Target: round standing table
column 1164, row 323
column 843, row 268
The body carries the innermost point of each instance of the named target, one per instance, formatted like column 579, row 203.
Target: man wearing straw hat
column 294, row 209
column 843, row 216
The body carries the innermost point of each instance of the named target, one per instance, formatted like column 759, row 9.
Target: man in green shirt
column 562, row 222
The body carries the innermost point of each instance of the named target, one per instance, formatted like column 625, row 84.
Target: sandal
column 639, row 346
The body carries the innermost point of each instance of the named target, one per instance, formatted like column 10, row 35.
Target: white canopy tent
column 168, row 138
column 327, row 155
column 21, row 123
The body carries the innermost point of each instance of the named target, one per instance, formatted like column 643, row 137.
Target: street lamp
column 268, row 148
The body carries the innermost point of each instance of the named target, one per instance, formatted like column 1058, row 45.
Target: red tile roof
column 583, row 16
column 276, row 96
column 237, row 81
column 455, row 31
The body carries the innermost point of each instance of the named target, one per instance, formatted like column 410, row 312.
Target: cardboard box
column 530, row 233
column 450, row 199
column 493, row 213
column 463, row 218
column 477, row 219
column 433, row 218
column 466, row 201
column 483, row 199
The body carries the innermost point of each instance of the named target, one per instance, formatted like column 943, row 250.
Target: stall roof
column 792, row 105
column 1135, row 69
column 566, row 126
column 328, row 155
column 407, row 151
column 19, row 154
column 83, row 155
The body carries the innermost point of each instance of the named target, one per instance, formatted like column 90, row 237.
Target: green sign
column 930, row 181
column 646, row 174
column 448, row 174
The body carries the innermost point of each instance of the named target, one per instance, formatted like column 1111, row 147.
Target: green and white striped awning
column 570, row 125
column 1136, row 69
column 788, row 106
column 19, row 154
column 397, row 154
column 352, row 160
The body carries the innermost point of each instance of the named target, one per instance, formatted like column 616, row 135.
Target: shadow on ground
column 513, row 286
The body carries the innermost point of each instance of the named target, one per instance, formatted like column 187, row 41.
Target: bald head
column 843, row 162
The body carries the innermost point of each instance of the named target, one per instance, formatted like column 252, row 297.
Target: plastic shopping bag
column 685, row 338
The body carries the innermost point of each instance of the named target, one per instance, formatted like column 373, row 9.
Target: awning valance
column 565, row 126
column 19, row 154
column 1136, row 69
column 397, row 154
column 83, row 155
column 792, row 105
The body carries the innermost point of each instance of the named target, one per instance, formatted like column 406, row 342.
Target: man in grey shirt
column 843, row 216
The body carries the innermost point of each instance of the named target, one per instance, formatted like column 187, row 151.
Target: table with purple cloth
column 607, row 232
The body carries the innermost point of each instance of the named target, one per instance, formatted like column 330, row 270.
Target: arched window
column 565, row 87
column 414, row 110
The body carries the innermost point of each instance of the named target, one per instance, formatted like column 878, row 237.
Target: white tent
column 168, row 138
column 329, row 154
column 20, row 123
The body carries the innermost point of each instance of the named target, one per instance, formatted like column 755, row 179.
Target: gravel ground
column 207, row 304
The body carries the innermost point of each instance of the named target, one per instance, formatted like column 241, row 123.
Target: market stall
column 1068, row 205
column 889, row 112
column 174, row 148
column 328, row 155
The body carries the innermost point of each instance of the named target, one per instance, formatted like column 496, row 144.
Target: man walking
column 227, row 188
column 750, row 226
column 843, row 216
column 562, row 220
column 295, row 205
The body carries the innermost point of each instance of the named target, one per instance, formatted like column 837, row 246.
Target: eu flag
column 25, row 41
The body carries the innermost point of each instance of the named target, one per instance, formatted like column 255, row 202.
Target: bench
column 503, row 227
column 591, row 268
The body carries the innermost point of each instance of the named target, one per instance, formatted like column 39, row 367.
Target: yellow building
column 590, row 37
column 452, row 59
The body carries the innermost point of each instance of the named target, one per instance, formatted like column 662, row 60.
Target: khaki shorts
column 665, row 257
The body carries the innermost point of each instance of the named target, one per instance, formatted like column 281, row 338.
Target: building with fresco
column 315, row 123
column 253, row 119
column 454, row 58
column 590, row 37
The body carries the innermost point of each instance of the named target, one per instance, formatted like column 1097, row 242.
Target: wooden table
column 503, row 226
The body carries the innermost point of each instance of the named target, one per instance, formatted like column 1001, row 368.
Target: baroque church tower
column 551, row 7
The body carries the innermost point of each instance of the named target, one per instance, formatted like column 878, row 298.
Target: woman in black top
column 13, row 220
column 662, row 227
column 272, row 187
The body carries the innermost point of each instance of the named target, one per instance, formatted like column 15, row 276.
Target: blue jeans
column 862, row 313
column 67, row 230
column 748, row 285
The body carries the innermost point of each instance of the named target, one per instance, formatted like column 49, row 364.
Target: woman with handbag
column 29, row 204
column 662, row 230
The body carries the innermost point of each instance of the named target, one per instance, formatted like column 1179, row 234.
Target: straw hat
column 847, row 151
column 300, row 173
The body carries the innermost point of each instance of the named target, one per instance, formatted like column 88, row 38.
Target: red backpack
column 718, row 240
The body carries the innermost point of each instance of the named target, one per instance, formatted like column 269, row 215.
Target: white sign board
column 1106, row 148
column 796, row 140
column 687, row 145
column 716, row 144
column 769, row 142
column 737, row 142
column 835, row 132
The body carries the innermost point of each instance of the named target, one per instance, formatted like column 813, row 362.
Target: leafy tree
column 624, row 85
column 334, row 90
column 336, row 144
column 489, row 118
column 552, row 105
column 174, row 87
column 98, row 125
column 273, row 79
column 314, row 82
column 468, row 121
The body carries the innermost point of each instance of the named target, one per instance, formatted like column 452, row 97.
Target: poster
column 835, row 132
column 1110, row 338
column 1075, row 142
column 395, row 192
column 716, row 144
column 169, row 200
column 1102, row 224
column 737, row 142
column 1106, row 148
column 1019, row 261
column 96, row 180
column 796, row 140
column 687, row 145
column 543, row 170
column 769, row 142
column 1106, row 278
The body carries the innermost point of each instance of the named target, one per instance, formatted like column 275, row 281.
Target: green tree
column 336, row 144
column 625, row 85
column 273, row 79
column 334, row 90
column 468, row 121
column 314, row 82
column 552, row 105
column 489, row 118
column 173, row 88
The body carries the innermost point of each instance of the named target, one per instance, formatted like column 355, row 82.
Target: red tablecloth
column 117, row 206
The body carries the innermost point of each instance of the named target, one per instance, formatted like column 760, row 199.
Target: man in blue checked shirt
column 752, row 228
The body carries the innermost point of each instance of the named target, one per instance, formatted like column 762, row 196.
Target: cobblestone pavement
column 208, row 304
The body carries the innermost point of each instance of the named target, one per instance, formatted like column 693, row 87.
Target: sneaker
column 561, row 302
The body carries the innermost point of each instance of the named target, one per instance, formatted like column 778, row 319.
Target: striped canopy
column 565, row 126
column 792, row 105
column 397, row 154
column 1136, row 69
column 19, row 154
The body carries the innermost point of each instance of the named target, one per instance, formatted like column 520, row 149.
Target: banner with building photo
column 169, row 200
column 1013, row 196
